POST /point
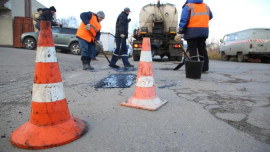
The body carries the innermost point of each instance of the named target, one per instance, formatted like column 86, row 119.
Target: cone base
column 145, row 104
column 30, row 136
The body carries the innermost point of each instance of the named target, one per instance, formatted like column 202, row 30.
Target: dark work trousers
column 120, row 52
column 198, row 43
column 88, row 50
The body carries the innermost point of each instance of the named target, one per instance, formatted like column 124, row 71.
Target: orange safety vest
column 199, row 15
column 94, row 28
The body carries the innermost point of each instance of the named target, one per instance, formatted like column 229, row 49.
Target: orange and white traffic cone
column 145, row 96
column 50, row 122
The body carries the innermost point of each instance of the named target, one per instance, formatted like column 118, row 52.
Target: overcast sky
column 229, row 15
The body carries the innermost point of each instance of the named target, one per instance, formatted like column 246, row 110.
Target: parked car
column 64, row 38
column 250, row 43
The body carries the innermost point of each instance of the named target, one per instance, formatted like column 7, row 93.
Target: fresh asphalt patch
column 117, row 81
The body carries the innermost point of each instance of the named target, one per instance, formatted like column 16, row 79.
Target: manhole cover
column 117, row 81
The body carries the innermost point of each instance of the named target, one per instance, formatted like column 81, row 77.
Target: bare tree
column 69, row 22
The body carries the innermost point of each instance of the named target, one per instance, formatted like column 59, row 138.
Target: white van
column 250, row 43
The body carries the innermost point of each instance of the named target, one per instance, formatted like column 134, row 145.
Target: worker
column 47, row 15
column 87, row 33
column 35, row 17
column 121, row 34
column 194, row 25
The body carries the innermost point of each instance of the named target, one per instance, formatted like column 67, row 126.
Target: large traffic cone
column 145, row 96
column 50, row 122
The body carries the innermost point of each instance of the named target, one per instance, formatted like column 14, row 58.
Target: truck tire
column 136, row 58
column 29, row 43
column 75, row 48
column 265, row 59
column 224, row 57
column 240, row 57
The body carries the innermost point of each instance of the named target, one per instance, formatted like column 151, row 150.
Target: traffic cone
column 50, row 122
column 145, row 96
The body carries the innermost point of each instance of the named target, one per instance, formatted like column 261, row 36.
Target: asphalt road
column 226, row 110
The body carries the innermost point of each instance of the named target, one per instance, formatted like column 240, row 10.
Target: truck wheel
column 240, row 57
column 29, row 43
column 136, row 58
column 224, row 57
column 265, row 60
column 75, row 48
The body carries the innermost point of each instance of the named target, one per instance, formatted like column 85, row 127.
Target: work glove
column 129, row 20
column 178, row 37
column 122, row 36
column 87, row 27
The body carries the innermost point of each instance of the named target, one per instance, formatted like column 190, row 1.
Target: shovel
column 183, row 62
column 100, row 47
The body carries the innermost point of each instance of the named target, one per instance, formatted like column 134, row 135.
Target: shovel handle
column 100, row 47
column 185, row 53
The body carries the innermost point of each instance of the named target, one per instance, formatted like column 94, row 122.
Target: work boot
column 204, row 72
column 90, row 67
column 86, row 64
column 129, row 66
column 114, row 66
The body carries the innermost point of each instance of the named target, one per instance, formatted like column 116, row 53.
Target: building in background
column 107, row 40
column 10, row 9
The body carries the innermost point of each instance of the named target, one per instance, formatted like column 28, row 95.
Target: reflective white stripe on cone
column 145, row 96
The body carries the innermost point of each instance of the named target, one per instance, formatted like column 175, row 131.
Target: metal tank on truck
column 159, row 22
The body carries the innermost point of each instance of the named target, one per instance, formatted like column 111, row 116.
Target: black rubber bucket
column 194, row 67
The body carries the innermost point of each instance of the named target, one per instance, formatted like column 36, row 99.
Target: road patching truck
column 251, row 43
column 159, row 22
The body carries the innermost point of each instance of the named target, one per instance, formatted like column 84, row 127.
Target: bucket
column 194, row 67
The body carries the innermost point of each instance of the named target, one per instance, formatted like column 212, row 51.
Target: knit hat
column 52, row 9
column 101, row 14
column 39, row 9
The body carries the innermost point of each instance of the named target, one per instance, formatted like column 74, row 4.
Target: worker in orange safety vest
column 88, row 31
column 194, row 25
